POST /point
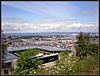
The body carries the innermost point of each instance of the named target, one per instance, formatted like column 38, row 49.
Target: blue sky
column 50, row 16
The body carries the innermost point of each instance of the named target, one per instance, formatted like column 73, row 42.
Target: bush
column 92, row 48
column 86, row 65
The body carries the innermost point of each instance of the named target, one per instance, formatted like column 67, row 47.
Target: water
column 47, row 33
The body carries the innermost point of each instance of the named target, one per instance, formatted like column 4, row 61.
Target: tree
column 92, row 49
column 83, row 42
column 9, row 42
column 26, row 63
column 65, row 53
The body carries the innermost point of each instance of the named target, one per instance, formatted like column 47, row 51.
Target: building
column 45, row 48
column 11, row 59
column 10, row 62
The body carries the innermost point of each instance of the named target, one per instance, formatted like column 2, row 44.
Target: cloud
column 73, row 19
column 38, row 22
column 89, row 11
column 60, row 19
column 94, row 23
column 10, row 27
column 85, row 13
column 15, row 20
column 45, row 8
column 48, row 17
column 64, row 19
column 52, row 21
column 77, row 15
column 55, row 17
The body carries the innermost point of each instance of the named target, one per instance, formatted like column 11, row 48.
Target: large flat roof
column 49, row 48
column 21, row 48
column 10, row 57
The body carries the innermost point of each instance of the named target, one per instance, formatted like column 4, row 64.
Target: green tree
column 83, row 42
column 9, row 42
column 92, row 49
column 26, row 63
column 65, row 53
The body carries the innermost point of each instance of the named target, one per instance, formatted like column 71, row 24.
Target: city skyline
column 49, row 16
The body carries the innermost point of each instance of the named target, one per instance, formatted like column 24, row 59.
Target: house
column 10, row 62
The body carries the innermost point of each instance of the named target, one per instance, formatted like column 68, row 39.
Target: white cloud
column 50, row 17
column 11, row 27
column 85, row 13
column 15, row 20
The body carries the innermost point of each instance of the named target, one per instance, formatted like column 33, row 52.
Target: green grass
column 88, row 65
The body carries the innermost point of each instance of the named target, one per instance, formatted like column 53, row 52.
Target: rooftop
column 10, row 57
column 49, row 48
column 21, row 48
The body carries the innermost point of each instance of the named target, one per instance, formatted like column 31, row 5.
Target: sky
column 49, row 16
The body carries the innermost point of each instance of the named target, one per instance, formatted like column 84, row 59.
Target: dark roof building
column 48, row 48
column 10, row 57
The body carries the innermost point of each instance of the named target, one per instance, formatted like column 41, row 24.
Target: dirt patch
column 50, row 64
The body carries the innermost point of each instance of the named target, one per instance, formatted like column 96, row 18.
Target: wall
column 49, row 59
